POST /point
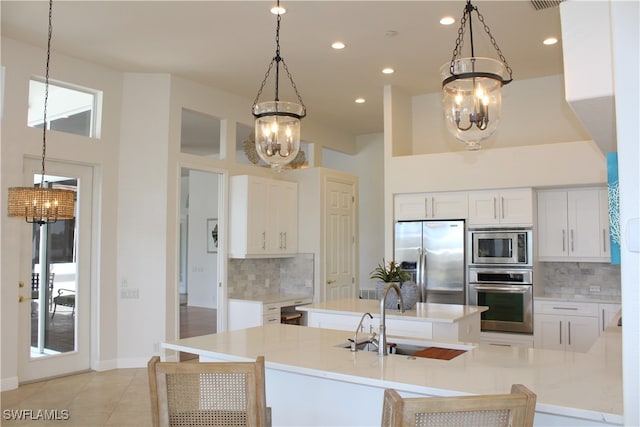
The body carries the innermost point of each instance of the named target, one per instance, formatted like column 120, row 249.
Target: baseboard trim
column 133, row 362
column 7, row 384
column 104, row 365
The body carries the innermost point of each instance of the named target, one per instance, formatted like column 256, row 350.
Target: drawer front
column 566, row 308
column 271, row 318
column 271, row 309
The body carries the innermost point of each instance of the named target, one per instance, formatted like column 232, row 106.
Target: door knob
column 20, row 298
column 21, row 284
column 330, row 282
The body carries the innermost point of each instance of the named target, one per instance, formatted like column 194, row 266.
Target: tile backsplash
column 575, row 280
column 251, row 278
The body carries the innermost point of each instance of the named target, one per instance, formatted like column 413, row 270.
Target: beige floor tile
column 119, row 397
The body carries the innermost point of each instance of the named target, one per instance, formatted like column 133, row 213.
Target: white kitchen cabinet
column 565, row 325
column 512, row 207
column 264, row 217
column 249, row 313
column 608, row 312
column 282, row 217
column 425, row 206
column 573, row 225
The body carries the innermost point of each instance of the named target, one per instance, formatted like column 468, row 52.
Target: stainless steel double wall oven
column 500, row 276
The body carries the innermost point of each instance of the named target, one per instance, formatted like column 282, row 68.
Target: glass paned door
column 55, row 262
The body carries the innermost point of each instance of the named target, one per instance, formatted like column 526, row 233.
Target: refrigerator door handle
column 419, row 269
column 424, row 274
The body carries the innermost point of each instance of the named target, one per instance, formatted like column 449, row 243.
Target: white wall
column 534, row 112
column 142, row 217
column 202, row 266
column 625, row 22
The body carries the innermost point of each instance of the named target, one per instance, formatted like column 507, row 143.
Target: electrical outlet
column 594, row 288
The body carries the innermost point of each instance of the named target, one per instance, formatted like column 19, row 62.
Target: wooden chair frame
column 163, row 374
column 518, row 408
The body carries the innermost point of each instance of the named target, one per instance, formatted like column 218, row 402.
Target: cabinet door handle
column 264, row 240
column 426, row 207
column 569, row 331
column 604, row 240
column 433, row 208
column 573, row 249
column 603, row 326
column 495, row 209
column 560, row 329
column 564, row 238
column 502, row 207
column 565, row 308
column 281, row 240
column 285, row 239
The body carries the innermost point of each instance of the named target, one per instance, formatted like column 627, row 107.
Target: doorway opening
column 199, row 263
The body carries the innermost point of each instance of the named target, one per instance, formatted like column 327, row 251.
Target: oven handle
column 518, row 289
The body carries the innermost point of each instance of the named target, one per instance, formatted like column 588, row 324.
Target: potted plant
column 390, row 272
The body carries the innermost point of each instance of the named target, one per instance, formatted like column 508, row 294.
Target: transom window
column 69, row 109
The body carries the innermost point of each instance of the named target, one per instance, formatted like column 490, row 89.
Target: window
column 69, row 110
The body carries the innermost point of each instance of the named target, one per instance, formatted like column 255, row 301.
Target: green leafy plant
column 391, row 272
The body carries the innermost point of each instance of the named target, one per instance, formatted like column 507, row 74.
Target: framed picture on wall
column 212, row 235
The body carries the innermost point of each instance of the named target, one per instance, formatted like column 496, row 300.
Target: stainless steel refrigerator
column 433, row 252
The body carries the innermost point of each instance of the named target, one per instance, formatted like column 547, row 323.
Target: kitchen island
column 313, row 380
column 440, row 322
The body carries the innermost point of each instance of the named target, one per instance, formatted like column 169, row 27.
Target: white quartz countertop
column 428, row 312
column 582, row 385
column 278, row 298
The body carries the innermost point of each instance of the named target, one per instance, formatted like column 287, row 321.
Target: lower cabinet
column 608, row 313
column 502, row 339
column 565, row 325
column 249, row 313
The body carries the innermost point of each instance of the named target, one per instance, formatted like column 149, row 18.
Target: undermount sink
column 414, row 349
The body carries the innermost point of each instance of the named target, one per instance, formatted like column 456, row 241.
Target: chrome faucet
column 382, row 334
column 354, row 343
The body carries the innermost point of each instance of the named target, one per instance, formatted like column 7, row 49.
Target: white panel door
column 340, row 241
column 54, row 338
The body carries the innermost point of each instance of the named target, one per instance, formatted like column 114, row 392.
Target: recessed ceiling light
column 447, row 20
column 278, row 10
column 550, row 41
column 360, row 100
column 388, row 70
column 338, row 45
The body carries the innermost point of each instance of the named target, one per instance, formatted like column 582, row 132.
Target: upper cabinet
column 264, row 217
column 573, row 225
column 425, row 206
column 501, row 207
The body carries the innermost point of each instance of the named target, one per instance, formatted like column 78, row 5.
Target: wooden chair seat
column 494, row 410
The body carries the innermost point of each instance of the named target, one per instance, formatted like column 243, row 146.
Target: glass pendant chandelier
column 472, row 88
column 277, row 123
column 42, row 204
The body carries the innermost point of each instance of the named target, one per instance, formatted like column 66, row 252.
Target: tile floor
column 119, row 397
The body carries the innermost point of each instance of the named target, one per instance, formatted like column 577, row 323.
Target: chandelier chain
column 494, row 43
column 46, row 92
column 277, row 59
column 457, row 50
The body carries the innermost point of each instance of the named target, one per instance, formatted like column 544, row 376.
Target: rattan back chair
column 208, row 393
column 495, row 410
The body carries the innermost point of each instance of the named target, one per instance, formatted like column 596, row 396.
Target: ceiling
column 229, row 44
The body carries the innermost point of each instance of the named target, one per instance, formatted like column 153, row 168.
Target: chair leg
column 54, row 310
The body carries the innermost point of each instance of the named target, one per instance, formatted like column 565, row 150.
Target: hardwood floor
column 195, row 321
